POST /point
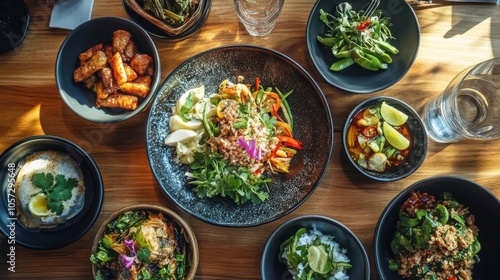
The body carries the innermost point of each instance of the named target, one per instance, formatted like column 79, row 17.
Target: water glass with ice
column 258, row 16
column 469, row 107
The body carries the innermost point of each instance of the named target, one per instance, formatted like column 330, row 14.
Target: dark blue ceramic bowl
column 481, row 203
column 79, row 98
column 356, row 79
column 63, row 234
column 272, row 269
column 417, row 154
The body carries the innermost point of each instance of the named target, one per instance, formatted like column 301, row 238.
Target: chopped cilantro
column 56, row 189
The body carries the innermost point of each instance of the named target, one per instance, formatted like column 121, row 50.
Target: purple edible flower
column 130, row 244
column 128, row 260
column 250, row 148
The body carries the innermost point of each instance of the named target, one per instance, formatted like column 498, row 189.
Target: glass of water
column 258, row 16
column 469, row 107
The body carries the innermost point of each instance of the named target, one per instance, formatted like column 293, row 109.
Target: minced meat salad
column 434, row 239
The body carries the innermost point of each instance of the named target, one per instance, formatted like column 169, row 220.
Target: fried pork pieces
column 118, row 74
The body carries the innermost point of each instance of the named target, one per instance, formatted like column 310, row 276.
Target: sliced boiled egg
column 38, row 205
column 194, row 94
column 176, row 123
column 181, row 135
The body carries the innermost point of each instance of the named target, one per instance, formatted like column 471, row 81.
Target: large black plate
column 313, row 125
column 63, row 234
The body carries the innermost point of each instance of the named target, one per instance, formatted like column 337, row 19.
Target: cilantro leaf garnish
column 143, row 254
column 211, row 175
column 56, row 190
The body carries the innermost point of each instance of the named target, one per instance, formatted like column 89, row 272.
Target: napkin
column 68, row 14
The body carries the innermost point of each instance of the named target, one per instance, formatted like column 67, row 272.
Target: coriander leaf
column 56, row 189
column 143, row 254
column 55, row 206
column 43, row 181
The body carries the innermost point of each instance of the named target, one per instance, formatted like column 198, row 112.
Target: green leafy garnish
column 211, row 176
column 56, row 190
column 143, row 254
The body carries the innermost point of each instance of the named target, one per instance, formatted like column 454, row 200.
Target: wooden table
column 453, row 36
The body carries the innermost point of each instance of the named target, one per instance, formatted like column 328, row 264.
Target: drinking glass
column 469, row 107
column 258, row 16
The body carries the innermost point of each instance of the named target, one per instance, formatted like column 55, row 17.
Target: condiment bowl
column 414, row 155
column 81, row 99
column 477, row 199
column 272, row 268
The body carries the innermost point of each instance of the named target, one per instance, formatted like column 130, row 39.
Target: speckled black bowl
column 313, row 125
column 65, row 233
column 417, row 153
column 272, row 269
column 481, row 203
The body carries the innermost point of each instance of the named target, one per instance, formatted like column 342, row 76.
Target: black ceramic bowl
column 65, row 233
column 313, row 126
column 356, row 79
column 14, row 23
column 419, row 143
column 157, row 32
column 272, row 268
column 481, row 203
column 100, row 30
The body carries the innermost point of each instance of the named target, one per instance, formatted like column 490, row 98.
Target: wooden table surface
column 453, row 36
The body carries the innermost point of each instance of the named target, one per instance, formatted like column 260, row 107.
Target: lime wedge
column 38, row 205
column 392, row 115
column 318, row 259
column 396, row 139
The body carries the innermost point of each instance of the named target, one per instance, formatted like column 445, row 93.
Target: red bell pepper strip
column 257, row 83
column 290, row 142
column 362, row 26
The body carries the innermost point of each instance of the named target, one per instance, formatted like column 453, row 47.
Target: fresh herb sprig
column 211, row 176
column 56, row 189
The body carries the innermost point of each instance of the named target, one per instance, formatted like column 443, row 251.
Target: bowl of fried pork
column 107, row 70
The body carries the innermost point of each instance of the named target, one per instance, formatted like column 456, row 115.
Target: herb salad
column 233, row 140
column 142, row 244
column 357, row 39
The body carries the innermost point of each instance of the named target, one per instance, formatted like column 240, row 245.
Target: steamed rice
column 316, row 237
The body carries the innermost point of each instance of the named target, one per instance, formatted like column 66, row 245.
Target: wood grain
column 31, row 106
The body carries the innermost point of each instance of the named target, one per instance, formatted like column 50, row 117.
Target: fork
column 372, row 7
